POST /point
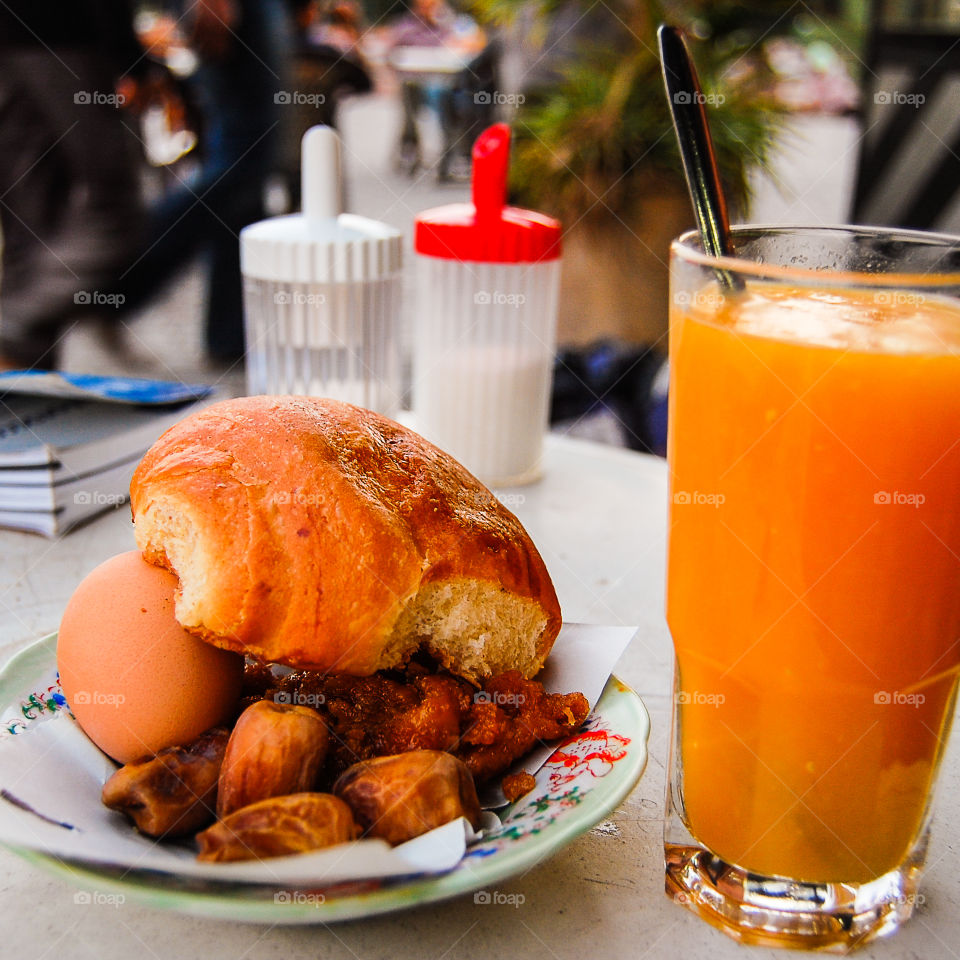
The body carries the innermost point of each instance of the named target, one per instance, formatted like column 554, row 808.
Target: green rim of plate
column 619, row 706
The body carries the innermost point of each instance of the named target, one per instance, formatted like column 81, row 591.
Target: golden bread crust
column 301, row 529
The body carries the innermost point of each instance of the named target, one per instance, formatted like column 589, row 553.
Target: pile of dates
column 250, row 791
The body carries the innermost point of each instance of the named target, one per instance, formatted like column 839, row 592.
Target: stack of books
column 69, row 443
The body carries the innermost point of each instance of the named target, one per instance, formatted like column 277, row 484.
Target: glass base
column 776, row 912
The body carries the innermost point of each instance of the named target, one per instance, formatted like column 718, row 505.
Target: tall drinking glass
column 813, row 586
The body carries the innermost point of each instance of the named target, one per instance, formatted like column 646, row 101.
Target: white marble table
column 599, row 518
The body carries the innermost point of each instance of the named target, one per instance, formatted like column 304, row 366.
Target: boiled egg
column 135, row 680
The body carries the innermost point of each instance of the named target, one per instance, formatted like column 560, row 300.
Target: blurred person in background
column 328, row 65
column 335, row 23
column 240, row 87
column 433, row 23
column 69, row 190
column 428, row 23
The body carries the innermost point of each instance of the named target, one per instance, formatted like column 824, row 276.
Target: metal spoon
column 686, row 102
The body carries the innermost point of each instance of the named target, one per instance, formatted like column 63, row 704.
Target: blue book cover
column 84, row 386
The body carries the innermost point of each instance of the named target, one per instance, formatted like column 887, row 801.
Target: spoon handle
column 696, row 147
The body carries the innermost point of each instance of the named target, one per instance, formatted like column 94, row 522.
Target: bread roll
column 317, row 534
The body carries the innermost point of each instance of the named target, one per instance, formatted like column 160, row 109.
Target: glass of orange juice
column 813, row 587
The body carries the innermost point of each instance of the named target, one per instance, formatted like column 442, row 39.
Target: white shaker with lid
column 322, row 294
column 487, row 285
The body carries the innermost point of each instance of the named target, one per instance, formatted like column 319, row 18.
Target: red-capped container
column 487, row 284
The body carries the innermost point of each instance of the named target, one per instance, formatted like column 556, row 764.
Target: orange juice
column 814, row 571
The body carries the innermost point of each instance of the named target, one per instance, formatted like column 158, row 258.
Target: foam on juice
column 887, row 321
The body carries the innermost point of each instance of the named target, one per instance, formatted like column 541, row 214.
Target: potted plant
column 594, row 144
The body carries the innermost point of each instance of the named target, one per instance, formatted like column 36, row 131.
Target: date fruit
column 275, row 749
column 400, row 797
column 174, row 793
column 278, row 826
